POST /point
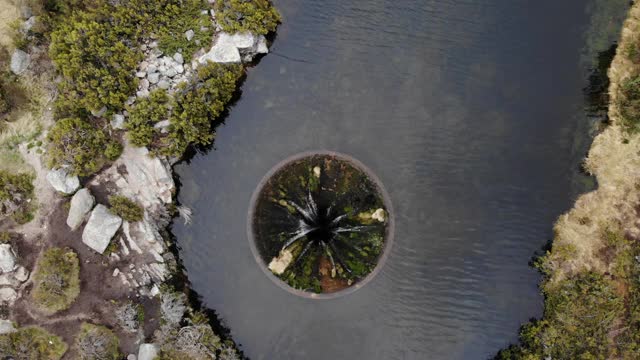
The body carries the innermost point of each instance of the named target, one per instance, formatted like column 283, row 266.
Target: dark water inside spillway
column 474, row 116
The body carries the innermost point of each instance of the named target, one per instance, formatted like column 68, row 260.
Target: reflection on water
column 472, row 115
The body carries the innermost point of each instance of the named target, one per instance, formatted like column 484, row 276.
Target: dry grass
column 9, row 11
column 614, row 159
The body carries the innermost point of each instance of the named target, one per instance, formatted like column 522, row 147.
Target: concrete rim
column 389, row 235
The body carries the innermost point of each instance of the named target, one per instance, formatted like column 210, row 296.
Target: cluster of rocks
column 148, row 181
column 12, row 275
column 144, row 179
column 158, row 70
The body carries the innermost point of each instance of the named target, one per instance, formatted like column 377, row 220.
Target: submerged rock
column 100, row 228
column 81, row 203
column 62, row 181
column 7, row 258
column 20, row 61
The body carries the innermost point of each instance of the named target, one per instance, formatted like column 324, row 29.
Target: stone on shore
column 7, row 258
column 62, row 181
column 81, row 203
column 147, row 352
column 117, row 122
column 6, row 327
column 234, row 48
column 100, row 228
column 20, row 61
column 8, row 295
column 224, row 51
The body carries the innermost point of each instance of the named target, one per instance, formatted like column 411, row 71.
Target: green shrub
column 4, row 102
column 172, row 18
column 127, row 209
column 32, row 343
column 95, row 342
column 579, row 315
column 198, row 104
column 113, row 151
column 257, row 16
column 16, row 196
column 80, row 145
column 629, row 103
column 94, row 52
column 144, row 115
column 57, row 282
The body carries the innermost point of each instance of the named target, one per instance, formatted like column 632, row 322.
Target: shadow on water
column 596, row 95
column 180, row 282
column 180, row 279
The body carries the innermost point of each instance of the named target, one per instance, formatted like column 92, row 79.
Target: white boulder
column 6, row 327
column 21, row 274
column 222, row 52
column 8, row 295
column 62, row 181
column 189, row 34
column 100, row 228
column 147, row 352
column 81, row 203
column 117, row 122
column 7, row 258
column 20, row 61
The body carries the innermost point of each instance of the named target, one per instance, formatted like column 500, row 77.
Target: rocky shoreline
column 120, row 261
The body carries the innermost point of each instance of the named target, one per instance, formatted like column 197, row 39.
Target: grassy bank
column 592, row 274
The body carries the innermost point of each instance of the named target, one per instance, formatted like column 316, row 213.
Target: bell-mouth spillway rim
column 389, row 234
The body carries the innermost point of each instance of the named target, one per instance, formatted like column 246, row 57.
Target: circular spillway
column 320, row 224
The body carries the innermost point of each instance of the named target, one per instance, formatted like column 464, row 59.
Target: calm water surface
column 471, row 114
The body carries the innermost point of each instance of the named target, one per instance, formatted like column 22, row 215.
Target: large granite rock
column 233, row 48
column 147, row 352
column 8, row 295
column 148, row 179
column 62, row 181
column 7, row 258
column 6, row 327
column 100, row 228
column 81, row 203
column 20, row 61
column 224, row 51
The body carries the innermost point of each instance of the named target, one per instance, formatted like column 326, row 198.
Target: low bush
column 130, row 316
column 57, row 282
column 32, row 343
column 126, row 208
column 144, row 115
column 170, row 20
column 198, row 104
column 579, row 316
column 79, row 145
column 95, row 342
column 94, row 52
column 629, row 103
column 257, row 16
column 16, row 196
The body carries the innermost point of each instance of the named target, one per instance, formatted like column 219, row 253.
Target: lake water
column 472, row 114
